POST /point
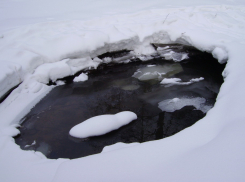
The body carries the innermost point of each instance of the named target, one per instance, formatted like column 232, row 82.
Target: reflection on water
column 112, row 89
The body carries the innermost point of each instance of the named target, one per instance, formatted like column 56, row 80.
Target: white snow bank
column 171, row 105
column 177, row 81
column 210, row 150
column 103, row 124
column 118, row 146
column 81, row 78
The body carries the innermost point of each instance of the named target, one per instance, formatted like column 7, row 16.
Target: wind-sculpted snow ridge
column 100, row 125
column 210, row 150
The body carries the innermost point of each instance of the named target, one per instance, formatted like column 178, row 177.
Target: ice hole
column 136, row 86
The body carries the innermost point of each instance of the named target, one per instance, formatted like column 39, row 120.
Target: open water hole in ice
column 111, row 89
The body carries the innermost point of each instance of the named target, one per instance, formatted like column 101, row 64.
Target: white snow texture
column 49, row 39
column 100, row 125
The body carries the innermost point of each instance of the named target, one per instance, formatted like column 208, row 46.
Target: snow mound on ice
column 117, row 146
column 102, row 124
column 177, row 81
column 171, row 105
column 81, row 78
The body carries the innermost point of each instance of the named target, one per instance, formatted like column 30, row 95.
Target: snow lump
column 102, row 124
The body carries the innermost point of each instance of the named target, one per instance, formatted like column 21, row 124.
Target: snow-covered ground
column 49, row 39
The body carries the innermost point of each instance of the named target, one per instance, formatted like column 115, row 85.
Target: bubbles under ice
column 171, row 105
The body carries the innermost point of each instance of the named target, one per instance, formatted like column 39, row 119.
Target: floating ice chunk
column 196, row 79
column 151, row 65
column 60, row 82
column 145, row 57
column 118, row 146
column 102, row 124
column 125, row 84
column 33, row 143
column 157, row 72
column 81, row 78
column 171, row 105
column 177, row 81
column 170, row 80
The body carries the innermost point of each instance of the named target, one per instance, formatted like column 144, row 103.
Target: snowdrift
column 211, row 150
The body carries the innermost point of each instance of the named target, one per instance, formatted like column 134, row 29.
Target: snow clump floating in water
column 102, row 124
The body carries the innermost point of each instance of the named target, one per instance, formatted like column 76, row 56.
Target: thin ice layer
column 171, row 105
column 157, row 72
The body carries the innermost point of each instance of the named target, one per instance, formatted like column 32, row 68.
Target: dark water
column 109, row 90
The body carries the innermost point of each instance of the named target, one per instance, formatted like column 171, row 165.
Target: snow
column 171, row 105
column 100, row 125
column 46, row 40
column 81, row 78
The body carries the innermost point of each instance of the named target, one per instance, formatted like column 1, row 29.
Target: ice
column 171, row 105
column 170, row 54
column 177, row 81
column 157, row 72
column 33, row 143
column 100, row 125
column 44, row 148
column 11, row 75
column 81, row 78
